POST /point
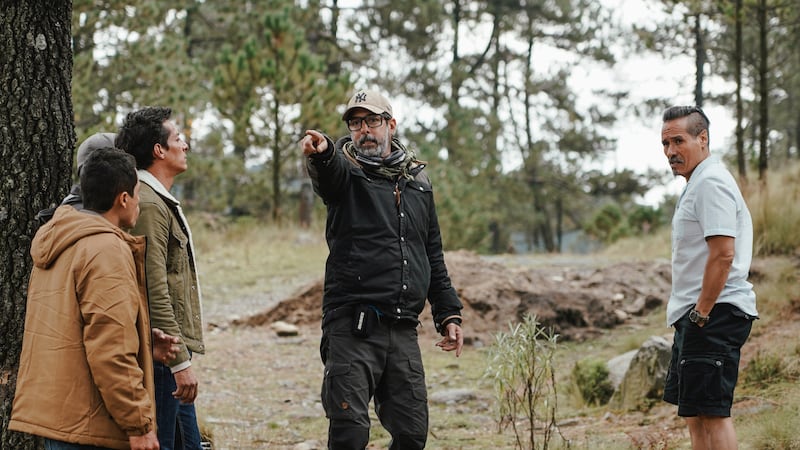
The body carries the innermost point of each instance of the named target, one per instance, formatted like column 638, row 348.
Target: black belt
column 349, row 310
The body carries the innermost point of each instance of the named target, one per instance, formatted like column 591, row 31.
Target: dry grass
column 775, row 207
column 649, row 247
column 246, row 266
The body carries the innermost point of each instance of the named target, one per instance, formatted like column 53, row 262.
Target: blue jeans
column 187, row 431
column 176, row 422
column 51, row 444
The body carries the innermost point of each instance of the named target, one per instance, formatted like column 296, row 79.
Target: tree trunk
column 532, row 161
column 36, row 143
column 334, row 64
column 456, row 74
column 559, row 224
column 456, row 78
column 763, row 102
column 797, row 135
column 740, row 160
column 699, row 60
column 276, row 161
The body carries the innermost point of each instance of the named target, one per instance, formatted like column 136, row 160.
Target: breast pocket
column 685, row 225
column 177, row 251
column 416, row 207
column 177, row 266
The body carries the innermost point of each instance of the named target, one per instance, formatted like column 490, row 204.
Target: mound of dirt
column 576, row 301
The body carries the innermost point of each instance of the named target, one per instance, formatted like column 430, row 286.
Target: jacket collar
column 150, row 180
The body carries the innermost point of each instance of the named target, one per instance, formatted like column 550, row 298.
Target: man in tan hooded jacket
column 86, row 369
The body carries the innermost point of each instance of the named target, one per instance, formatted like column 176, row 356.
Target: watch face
column 695, row 317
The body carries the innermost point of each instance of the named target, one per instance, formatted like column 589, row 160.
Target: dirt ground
column 581, row 298
column 576, row 301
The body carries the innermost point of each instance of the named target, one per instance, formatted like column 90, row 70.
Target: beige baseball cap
column 370, row 100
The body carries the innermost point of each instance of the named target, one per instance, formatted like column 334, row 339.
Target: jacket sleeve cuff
column 441, row 327
column 141, row 431
column 178, row 367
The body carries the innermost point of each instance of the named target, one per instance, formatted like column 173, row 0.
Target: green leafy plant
column 521, row 367
column 591, row 379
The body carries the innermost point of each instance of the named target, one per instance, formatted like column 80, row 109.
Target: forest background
column 516, row 155
column 514, row 151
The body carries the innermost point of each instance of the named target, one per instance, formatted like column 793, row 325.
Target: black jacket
column 384, row 240
column 73, row 199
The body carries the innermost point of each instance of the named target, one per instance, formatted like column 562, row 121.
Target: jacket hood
column 67, row 227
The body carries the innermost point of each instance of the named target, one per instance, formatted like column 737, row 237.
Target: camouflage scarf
column 400, row 162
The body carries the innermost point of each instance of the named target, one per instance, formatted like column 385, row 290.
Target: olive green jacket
column 172, row 285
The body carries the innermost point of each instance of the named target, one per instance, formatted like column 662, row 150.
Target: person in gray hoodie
column 87, row 147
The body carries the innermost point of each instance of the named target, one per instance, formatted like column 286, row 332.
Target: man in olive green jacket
column 172, row 284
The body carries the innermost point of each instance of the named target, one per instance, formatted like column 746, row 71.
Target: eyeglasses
column 372, row 121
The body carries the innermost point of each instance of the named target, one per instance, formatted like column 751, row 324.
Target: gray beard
column 375, row 152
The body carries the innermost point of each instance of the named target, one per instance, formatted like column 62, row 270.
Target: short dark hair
column 698, row 120
column 141, row 131
column 107, row 173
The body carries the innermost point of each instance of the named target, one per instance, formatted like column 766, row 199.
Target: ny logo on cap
column 361, row 97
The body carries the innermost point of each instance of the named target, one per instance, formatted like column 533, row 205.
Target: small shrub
column 522, row 370
column 765, row 369
column 591, row 379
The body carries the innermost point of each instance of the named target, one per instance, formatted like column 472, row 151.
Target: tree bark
column 36, row 142
column 699, row 60
column 763, row 102
column 277, row 159
column 738, row 56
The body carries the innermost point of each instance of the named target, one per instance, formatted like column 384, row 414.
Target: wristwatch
column 696, row 317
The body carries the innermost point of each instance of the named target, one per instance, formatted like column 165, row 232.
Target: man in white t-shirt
column 712, row 305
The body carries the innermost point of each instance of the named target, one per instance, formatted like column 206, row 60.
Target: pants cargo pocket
column 700, row 380
column 337, row 391
column 416, row 377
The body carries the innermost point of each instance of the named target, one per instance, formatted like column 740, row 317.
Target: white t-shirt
column 710, row 205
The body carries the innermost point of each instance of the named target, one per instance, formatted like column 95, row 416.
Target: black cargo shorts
column 705, row 362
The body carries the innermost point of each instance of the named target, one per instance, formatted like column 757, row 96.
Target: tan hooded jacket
column 86, row 368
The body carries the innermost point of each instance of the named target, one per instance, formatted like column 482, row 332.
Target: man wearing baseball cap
column 372, row 101
column 385, row 259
